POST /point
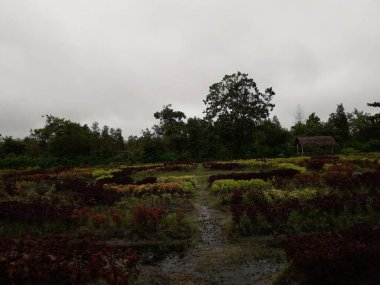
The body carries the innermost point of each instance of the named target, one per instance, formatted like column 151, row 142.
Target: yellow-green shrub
column 178, row 179
column 156, row 188
column 281, row 195
column 228, row 185
column 104, row 173
column 287, row 165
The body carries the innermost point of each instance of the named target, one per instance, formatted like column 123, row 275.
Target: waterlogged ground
column 213, row 258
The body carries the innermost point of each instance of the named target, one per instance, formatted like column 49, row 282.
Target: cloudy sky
column 119, row 61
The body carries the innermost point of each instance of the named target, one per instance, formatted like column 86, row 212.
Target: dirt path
column 213, row 259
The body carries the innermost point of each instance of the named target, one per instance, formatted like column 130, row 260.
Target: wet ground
column 213, row 259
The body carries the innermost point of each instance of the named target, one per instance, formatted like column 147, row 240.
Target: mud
column 212, row 259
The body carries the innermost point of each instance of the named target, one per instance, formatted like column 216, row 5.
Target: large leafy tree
column 236, row 107
column 237, row 99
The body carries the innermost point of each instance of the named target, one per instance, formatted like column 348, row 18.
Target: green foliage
column 178, row 179
column 235, row 106
column 177, row 227
column 228, row 186
column 236, row 125
column 287, row 165
column 100, row 174
column 338, row 124
column 11, row 146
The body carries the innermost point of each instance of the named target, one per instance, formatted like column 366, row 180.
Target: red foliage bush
column 316, row 164
column 63, row 260
column 339, row 180
column 100, row 220
column 345, row 168
column 117, row 217
column 237, row 211
column 370, row 180
column 307, row 179
column 35, row 212
column 237, row 196
column 147, row 215
column 346, row 257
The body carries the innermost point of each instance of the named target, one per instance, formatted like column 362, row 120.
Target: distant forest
column 236, row 125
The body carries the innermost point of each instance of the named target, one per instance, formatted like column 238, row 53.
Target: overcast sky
column 117, row 62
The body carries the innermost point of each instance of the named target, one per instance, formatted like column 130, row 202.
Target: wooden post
column 297, row 149
column 302, row 150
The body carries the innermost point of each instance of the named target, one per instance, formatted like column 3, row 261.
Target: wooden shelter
column 317, row 141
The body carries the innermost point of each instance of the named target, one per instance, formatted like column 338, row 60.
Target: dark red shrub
column 346, row 257
column 345, row 168
column 117, row 216
column 370, row 180
column 307, row 179
column 237, row 211
column 35, row 212
column 340, row 180
column 316, row 164
column 237, row 196
column 147, row 215
column 63, row 260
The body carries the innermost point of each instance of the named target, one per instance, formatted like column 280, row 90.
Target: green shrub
column 287, row 165
column 104, row 173
column 178, row 179
column 227, row 186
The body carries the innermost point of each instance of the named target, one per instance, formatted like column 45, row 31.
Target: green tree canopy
column 236, row 107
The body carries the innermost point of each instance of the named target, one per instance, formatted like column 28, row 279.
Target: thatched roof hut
column 317, row 141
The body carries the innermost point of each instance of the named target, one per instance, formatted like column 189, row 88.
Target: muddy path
column 213, row 258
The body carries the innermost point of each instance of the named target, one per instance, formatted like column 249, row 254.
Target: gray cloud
column 117, row 62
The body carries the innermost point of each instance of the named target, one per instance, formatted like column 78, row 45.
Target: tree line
column 236, row 124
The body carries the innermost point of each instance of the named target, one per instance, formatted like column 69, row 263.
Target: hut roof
column 315, row 141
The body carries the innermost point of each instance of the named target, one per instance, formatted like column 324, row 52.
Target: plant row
column 64, row 260
column 268, row 211
column 227, row 186
column 282, row 173
column 350, row 256
column 155, row 188
column 87, row 193
column 216, row 165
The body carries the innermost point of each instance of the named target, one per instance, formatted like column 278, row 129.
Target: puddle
column 210, row 230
